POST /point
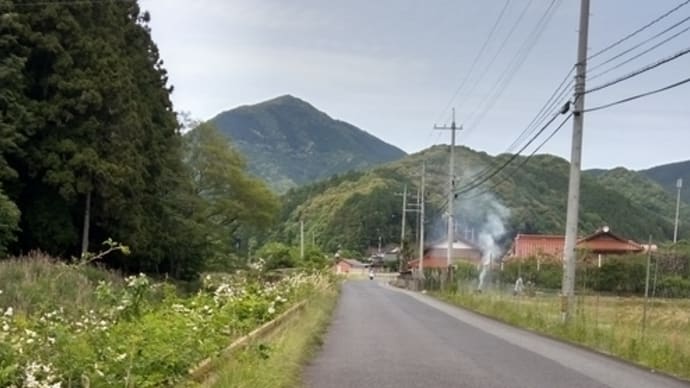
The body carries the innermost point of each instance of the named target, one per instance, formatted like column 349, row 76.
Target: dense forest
column 351, row 211
column 91, row 147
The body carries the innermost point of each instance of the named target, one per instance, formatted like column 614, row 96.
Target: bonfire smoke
column 484, row 213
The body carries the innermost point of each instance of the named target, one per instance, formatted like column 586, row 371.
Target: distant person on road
column 519, row 287
column 371, row 275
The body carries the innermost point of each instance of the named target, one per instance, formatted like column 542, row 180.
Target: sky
column 394, row 68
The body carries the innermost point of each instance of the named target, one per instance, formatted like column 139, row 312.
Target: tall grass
column 38, row 283
column 612, row 325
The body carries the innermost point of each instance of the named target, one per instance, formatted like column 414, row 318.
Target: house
column 601, row 243
column 435, row 256
column 350, row 266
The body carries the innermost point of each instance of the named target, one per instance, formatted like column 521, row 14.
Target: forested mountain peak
column 289, row 142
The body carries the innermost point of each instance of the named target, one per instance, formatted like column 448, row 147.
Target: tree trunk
column 87, row 222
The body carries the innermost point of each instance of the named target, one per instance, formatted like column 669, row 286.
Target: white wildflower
column 271, row 310
column 5, row 327
column 9, row 312
column 121, row 357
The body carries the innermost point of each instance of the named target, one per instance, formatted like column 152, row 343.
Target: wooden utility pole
column 679, row 186
column 451, row 186
column 422, row 199
column 646, row 286
column 569, row 253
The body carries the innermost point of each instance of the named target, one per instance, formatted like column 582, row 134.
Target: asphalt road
column 384, row 337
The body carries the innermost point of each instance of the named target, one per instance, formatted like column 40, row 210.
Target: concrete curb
column 200, row 372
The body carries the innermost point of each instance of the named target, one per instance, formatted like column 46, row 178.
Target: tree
column 93, row 148
column 9, row 222
column 231, row 198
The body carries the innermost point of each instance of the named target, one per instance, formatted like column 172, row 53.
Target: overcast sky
column 391, row 68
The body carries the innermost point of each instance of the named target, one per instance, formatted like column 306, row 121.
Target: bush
column 131, row 332
column 674, row 287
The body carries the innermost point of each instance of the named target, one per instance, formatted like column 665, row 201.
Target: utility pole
column 407, row 207
column 569, row 254
column 679, row 185
column 646, row 286
column 301, row 240
column 451, row 186
column 402, row 226
column 421, row 200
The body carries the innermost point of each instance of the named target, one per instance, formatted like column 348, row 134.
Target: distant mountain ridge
column 353, row 210
column 666, row 175
column 288, row 142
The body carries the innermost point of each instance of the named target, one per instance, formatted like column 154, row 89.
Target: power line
column 640, row 54
column 642, row 43
column 510, row 160
column 625, row 38
column 548, row 106
column 637, row 96
column 524, row 162
column 488, row 66
column 476, row 58
column 481, row 181
column 534, row 124
column 642, row 70
column 517, row 62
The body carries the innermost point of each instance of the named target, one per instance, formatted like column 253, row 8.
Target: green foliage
column 352, row 210
column 278, row 255
column 288, row 142
column 92, row 118
column 9, row 222
column 58, row 326
column 278, row 362
column 230, row 198
column 90, row 147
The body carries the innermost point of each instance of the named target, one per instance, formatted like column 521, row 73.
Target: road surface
column 384, row 337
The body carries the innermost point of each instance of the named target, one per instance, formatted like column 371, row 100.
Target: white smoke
column 488, row 217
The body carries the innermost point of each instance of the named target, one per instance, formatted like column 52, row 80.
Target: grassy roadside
column 610, row 325
column 277, row 361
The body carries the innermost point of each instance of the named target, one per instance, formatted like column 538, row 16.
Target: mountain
column 351, row 211
column 288, row 142
column 667, row 175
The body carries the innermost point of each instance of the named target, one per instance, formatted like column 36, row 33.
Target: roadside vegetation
column 78, row 326
column 611, row 313
column 277, row 361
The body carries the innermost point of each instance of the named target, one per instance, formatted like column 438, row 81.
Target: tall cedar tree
column 92, row 147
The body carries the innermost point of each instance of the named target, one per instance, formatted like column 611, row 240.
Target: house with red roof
column 435, row 255
column 545, row 247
